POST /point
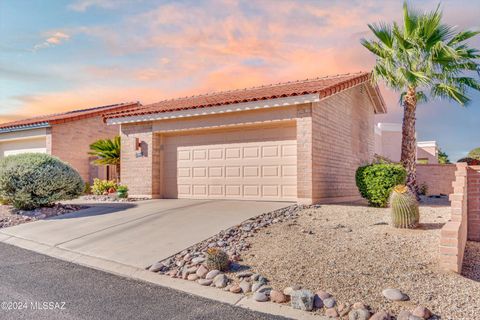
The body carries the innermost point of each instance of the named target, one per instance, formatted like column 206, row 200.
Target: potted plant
column 122, row 191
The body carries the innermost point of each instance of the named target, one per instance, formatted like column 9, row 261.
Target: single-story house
column 388, row 143
column 296, row 141
column 64, row 135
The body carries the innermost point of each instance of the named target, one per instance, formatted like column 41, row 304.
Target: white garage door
column 249, row 164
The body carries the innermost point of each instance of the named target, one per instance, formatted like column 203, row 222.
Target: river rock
column 302, row 300
column 260, row 297
column 212, row 274
column 394, row 295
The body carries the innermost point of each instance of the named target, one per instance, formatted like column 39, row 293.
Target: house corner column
column 304, row 155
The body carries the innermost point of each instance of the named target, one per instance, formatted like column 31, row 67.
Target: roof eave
column 40, row 125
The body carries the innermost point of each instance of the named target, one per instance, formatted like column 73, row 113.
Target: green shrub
column 101, row 186
column 376, row 181
column 122, row 191
column 32, row 180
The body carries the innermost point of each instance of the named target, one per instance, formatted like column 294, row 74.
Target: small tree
column 107, row 152
column 443, row 157
column 474, row 154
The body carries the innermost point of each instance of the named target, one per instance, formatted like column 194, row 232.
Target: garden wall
column 437, row 177
column 464, row 222
column 473, row 174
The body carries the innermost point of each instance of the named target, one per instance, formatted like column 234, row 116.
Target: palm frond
column 107, row 151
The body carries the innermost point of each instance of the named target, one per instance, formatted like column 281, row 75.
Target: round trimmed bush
column 376, row 181
column 32, row 180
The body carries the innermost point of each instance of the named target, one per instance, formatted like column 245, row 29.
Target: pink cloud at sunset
column 112, row 51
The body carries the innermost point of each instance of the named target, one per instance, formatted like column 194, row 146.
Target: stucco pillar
column 140, row 160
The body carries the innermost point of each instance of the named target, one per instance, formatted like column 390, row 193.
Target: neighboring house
column 297, row 141
column 388, row 144
column 64, row 135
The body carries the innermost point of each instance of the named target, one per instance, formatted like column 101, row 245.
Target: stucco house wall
column 343, row 139
column 70, row 141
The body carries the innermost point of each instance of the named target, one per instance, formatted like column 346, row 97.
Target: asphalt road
column 47, row 288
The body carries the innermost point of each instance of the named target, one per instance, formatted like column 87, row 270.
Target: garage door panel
column 229, row 166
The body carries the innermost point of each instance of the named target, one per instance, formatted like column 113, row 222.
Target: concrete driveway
column 140, row 233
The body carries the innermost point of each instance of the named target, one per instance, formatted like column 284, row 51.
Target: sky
column 63, row 55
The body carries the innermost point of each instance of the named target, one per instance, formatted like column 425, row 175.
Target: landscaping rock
column 302, row 300
column 235, row 289
column 212, row 274
column 260, row 297
column 192, row 270
column 220, row 281
column 380, row 315
column 329, row 302
column 244, row 274
column 359, row 314
column 265, row 289
column 323, row 294
column 404, row 315
column 359, row 305
column 192, row 277
column 343, row 309
column 256, row 286
column 202, row 271
column 422, row 312
column 394, row 295
column 205, row 282
column 157, row 266
column 317, row 302
column 331, row 313
column 198, row 260
column 277, row 296
column 288, row 290
column 246, row 286
column 254, row 277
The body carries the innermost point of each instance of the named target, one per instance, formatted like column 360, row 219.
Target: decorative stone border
column 190, row 265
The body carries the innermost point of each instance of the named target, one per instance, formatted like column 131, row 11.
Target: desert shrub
column 102, row 186
column 32, row 180
column 376, row 181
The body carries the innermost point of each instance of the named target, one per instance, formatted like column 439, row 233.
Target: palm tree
column 422, row 59
column 107, row 152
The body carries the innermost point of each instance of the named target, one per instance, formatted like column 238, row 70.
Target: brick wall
column 140, row 169
column 437, row 177
column 453, row 235
column 70, row 141
column 473, row 203
column 304, row 154
column 343, row 139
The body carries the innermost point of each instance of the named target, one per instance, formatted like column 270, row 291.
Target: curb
column 189, row 287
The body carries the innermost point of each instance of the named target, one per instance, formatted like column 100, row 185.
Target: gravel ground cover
column 9, row 216
column 351, row 252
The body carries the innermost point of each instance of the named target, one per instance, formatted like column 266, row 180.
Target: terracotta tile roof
column 325, row 86
column 66, row 116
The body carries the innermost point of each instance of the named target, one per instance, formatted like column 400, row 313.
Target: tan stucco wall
column 70, row 142
column 343, row 139
column 429, row 153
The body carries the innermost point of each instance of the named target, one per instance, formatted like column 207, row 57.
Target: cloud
column 52, row 39
column 84, row 5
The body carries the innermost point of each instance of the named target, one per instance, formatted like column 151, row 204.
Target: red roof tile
column 325, row 86
column 67, row 116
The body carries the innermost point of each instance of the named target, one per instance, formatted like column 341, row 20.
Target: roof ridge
column 307, row 80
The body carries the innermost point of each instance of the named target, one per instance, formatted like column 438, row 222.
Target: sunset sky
column 61, row 55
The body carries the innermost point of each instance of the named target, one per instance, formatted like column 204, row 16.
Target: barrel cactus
column 404, row 206
column 217, row 259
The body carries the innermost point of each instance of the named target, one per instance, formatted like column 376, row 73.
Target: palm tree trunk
column 409, row 143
